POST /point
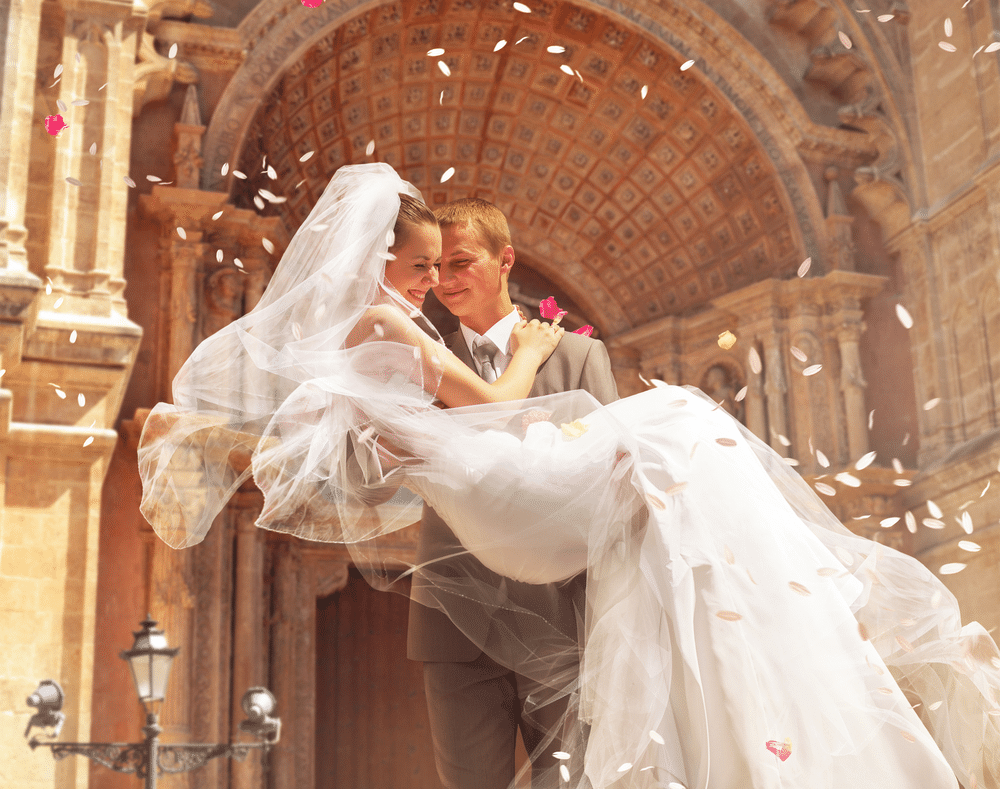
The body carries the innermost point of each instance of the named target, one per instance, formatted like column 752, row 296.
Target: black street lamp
column 150, row 659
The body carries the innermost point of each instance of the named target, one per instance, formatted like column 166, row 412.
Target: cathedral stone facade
column 792, row 204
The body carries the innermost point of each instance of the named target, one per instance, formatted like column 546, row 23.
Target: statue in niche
column 223, row 300
column 719, row 384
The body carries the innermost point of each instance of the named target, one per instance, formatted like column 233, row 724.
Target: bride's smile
column 415, row 269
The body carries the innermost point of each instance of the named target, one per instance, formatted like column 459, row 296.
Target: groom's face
column 473, row 282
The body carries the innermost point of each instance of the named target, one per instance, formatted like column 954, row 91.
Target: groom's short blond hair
column 488, row 221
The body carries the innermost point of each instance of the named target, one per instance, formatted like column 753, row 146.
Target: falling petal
column 238, row 263
column 844, row 39
column 934, row 509
column 566, row 69
column 729, row 616
column 370, row 148
column 58, row 71
column 129, row 182
column 272, row 173
column 871, row 418
column 644, row 91
column 522, row 8
column 304, row 157
column 72, row 339
column 741, row 394
column 968, row 545
column 948, row 29
column 904, row 316
column 154, row 179
column 436, row 52
column 897, row 466
column 625, row 767
column 863, row 631
column 266, row 243
column 216, row 215
column 500, row 45
column 444, row 68
column 799, row 588
column 990, row 482
column 81, row 400
column 61, row 105
column 686, row 65
column 812, row 369
column 911, row 522
column 931, row 403
column 656, row 737
column 725, row 442
column 60, row 394
column 730, row 559
column 58, row 303
column 240, row 174
column 826, row 572
column 385, row 255
column 447, row 174
column 966, row 523
column 799, row 354
column 791, row 461
column 848, row 479
column 89, row 441
column 564, row 772
column 822, row 459
column 906, row 645
column 225, row 168
column 754, row 359
column 825, row 489
column 653, row 500
column 182, row 233
column 73, row 181
column 727, row 340
column 218, row 256
column 575, row 429
column 865, row 460
column 675, row 489
column 947, row 46
column 885, row 17
column 173, row 51
column 93, row 149
column 951, row 568
column 784, row 441
column 885, row 523
column 257, row 201
column 555, row 49
column 993, row 47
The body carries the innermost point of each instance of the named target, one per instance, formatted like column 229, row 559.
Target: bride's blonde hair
column 412, row 213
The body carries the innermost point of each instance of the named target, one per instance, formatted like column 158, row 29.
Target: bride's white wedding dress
column 735, row 637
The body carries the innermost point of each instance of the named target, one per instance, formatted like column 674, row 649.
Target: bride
column 735, row 635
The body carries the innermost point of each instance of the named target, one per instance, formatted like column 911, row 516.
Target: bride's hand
column 537, row 337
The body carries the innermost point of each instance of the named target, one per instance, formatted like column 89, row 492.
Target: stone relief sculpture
column 721, row 384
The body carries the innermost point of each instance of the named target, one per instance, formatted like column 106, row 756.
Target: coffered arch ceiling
column 637, row 188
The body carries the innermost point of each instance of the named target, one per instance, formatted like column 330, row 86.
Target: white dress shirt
column 499, row 334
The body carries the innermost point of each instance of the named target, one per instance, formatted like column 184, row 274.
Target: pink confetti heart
column 780, row 749
column 550, row 310
column 55, row 124
column 586, row 331
column 312, row 3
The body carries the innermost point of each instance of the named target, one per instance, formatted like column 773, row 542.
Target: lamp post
column 150, row 659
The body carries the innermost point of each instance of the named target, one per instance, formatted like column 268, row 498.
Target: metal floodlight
column 48, row 700
column 150, row 660
column 258, row 704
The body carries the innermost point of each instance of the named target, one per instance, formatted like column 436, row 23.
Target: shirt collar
column 499, row 333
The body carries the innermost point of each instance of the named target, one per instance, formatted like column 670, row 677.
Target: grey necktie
column 484, row 352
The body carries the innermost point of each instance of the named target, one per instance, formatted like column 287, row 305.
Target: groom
column 475, row 705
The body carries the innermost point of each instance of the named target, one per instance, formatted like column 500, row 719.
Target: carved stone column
column 852, row 385
column 838, row 226
column 756, row 410
column 775, row 387
column 248, row 626
column 187, row 143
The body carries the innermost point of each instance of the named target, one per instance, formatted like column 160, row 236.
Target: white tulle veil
column 293, row 395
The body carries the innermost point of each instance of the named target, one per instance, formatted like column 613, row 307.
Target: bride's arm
column 459, row 385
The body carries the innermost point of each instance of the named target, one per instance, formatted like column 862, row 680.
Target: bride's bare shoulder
column 381, row 321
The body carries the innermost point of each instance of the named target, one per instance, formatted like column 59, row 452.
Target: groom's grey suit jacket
column 577, row 363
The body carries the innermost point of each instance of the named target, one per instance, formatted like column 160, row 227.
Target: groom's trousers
column 473, row 744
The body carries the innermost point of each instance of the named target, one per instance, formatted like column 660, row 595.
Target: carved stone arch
column 606, row 252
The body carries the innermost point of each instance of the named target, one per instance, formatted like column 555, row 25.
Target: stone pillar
column 775, row 387
column 19, row 27
column 756, row 407
column 852, row 385
column 248, row 628
column 187, row 143
column 285, row 659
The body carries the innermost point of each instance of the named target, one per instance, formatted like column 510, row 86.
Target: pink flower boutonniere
column 551, row 312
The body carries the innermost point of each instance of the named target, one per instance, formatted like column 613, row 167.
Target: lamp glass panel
column 141, row 671
column 161, row 675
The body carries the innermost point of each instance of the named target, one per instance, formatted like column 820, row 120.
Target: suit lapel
column 457, row 345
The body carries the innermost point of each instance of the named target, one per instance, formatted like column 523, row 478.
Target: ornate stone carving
column 156, row 74
column 223, row 300
column 721, row 384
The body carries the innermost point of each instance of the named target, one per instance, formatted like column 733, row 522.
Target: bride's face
column 415, row 269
